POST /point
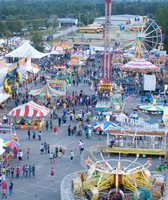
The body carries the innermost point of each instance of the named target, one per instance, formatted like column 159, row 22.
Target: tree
column 36, row 23
column 37, row 41
column 15, row 24
column 161, row 18
column 3, row 28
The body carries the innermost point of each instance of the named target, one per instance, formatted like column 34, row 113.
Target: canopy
column 152, row 108
column 2, row 41
column 46, row 92
column 26, row 50
column 140, row 65
column 104, row 126
column 30, row 109
column 103, row 106
column 11, row 143
column 4, row 97
column 55, row 52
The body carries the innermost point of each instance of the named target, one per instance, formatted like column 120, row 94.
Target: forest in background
column 16, row 15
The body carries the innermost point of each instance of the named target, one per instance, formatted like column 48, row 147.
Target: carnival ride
column 106, row 68
column 116, row 179
column 139, row 65
column 141, row 40
column 12, row 81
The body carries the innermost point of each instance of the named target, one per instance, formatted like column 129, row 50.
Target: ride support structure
column 107, row 56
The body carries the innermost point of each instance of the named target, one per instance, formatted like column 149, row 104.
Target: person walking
column 71, row 155
column 28, row 133
column 30, row 170
column 12, row 172
column 18, row 170
column 28, row 153
column 26, row 170
column 51, row 156
column 48, row 148
column 55, row 130
column 81, row 146
column 45, row 148
column 39, row 135
column 23, row 170
column 47, row 125
column 34, row 134
column 4, row 187
column 33, row 170
column 59, row 121
column 69, row 130
column 11, row 188
column 52, row 173
column 8, row 170
column 20, row 155
column 87, row 133
column 42, row 148
column 56, row 152
column 51, row 125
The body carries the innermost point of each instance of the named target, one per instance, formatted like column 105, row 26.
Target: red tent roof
column 30, row 109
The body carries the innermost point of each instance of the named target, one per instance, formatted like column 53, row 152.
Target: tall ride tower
column 106, row 68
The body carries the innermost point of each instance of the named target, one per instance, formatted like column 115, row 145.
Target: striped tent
column 30, row 109
column 46, row 92
column 140, row 65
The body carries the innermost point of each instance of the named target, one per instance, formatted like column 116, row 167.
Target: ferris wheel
column 141, row 37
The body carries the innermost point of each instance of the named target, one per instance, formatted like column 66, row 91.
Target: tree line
column 18, row 14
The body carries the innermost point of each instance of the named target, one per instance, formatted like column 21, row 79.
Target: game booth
column 147, row 140
column 28, row 71
column 47, row 92
column 59, row 85
column 29, row 115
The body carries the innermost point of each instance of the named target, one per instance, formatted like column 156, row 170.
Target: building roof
column 67, row 20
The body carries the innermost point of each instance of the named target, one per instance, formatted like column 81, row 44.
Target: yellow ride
column 116, row 179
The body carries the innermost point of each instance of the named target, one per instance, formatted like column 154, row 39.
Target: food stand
column 136, row 140
column 31, row 115
column 75, row 63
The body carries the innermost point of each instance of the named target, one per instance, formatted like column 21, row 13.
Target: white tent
column 4, row 97
column 2, row 150
column 26, row 50
column 54, row 53
column 2, row 41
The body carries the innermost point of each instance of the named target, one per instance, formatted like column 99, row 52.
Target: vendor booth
column 136, row 140
column 104, row 106
column 29, row 115
column 75, row 63
column 28, row 71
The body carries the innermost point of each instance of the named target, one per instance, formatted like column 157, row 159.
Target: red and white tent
column 30, row 109
column 140, row 65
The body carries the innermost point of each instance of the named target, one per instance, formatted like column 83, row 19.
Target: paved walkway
column 42, row 187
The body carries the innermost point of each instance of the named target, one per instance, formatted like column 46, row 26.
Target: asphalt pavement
column 42, row 187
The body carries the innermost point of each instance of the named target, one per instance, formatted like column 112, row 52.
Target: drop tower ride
column 107, row 56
